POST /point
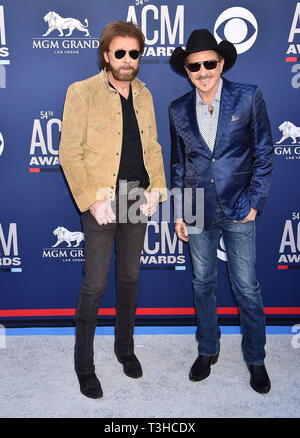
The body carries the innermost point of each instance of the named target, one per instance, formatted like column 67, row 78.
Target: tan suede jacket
column 91, row 139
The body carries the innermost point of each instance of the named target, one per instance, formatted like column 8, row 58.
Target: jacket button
column 117, row 153
column 213, row 160
column 212, row 180
column 142, row 132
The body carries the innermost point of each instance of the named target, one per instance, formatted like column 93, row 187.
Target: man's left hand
column 152, row 202
column 250, row 218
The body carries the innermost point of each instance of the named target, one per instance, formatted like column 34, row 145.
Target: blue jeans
column 239, row 240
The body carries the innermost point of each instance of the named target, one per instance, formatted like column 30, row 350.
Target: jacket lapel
column 225, row 113
column 193, row 125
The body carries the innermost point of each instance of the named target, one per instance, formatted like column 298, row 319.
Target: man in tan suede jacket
column 109, row 148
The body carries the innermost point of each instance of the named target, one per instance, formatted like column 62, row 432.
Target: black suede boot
column 201, row 367
column 259, row 381
column 131, row 365
column 90, row 385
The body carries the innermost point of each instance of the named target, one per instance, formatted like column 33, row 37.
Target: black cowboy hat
column 200, row 40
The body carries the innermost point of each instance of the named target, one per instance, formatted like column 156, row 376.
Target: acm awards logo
column 289, row 250
column 4, row 50
column 10, row 260
column 288, row 146
column 162, row 25
column 65, row 36
column 44, row 143
column 293, row 51
column 162, row 247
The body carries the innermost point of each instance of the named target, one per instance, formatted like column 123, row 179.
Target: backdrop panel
column 40, row 274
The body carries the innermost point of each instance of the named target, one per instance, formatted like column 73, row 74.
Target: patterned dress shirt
column 208, row 123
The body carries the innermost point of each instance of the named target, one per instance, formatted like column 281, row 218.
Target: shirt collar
column 216, row 98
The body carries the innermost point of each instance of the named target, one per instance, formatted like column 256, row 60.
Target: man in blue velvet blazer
column 222, row 145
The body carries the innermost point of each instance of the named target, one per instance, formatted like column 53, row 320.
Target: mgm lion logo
column 64, row 235
column 289, row 130
column 55, row 21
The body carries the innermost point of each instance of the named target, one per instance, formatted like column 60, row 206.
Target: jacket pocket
column 196, row 181
column 96, row 133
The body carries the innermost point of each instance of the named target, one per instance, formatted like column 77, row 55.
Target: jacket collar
column 193, row 124
column 136, row 84
column 225, row 113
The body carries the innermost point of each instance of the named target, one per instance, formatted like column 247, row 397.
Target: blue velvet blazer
column 239, row 169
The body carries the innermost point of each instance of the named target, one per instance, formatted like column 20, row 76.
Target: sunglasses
column 119, row 54
column 208, row 65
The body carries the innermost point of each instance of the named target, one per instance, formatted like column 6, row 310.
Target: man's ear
column 222, row 64
column 105, row 54
column 186, row 69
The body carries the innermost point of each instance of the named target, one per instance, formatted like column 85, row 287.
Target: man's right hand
column 102, row 212
column 181, row 230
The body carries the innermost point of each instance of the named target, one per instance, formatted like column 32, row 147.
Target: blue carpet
column 63, row 331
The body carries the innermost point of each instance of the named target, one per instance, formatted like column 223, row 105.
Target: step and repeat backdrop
column 41, row 239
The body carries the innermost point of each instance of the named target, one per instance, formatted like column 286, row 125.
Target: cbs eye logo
column 221, row 250
column 237, row 25
column 1, row 144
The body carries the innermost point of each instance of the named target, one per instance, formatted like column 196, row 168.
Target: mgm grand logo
column 289, row 145
column 65, row 36
column 67, row 246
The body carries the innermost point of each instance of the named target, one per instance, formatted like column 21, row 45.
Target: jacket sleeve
column 177, row 168
column 73, row 137
column 263, row 153
column 158, row 179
